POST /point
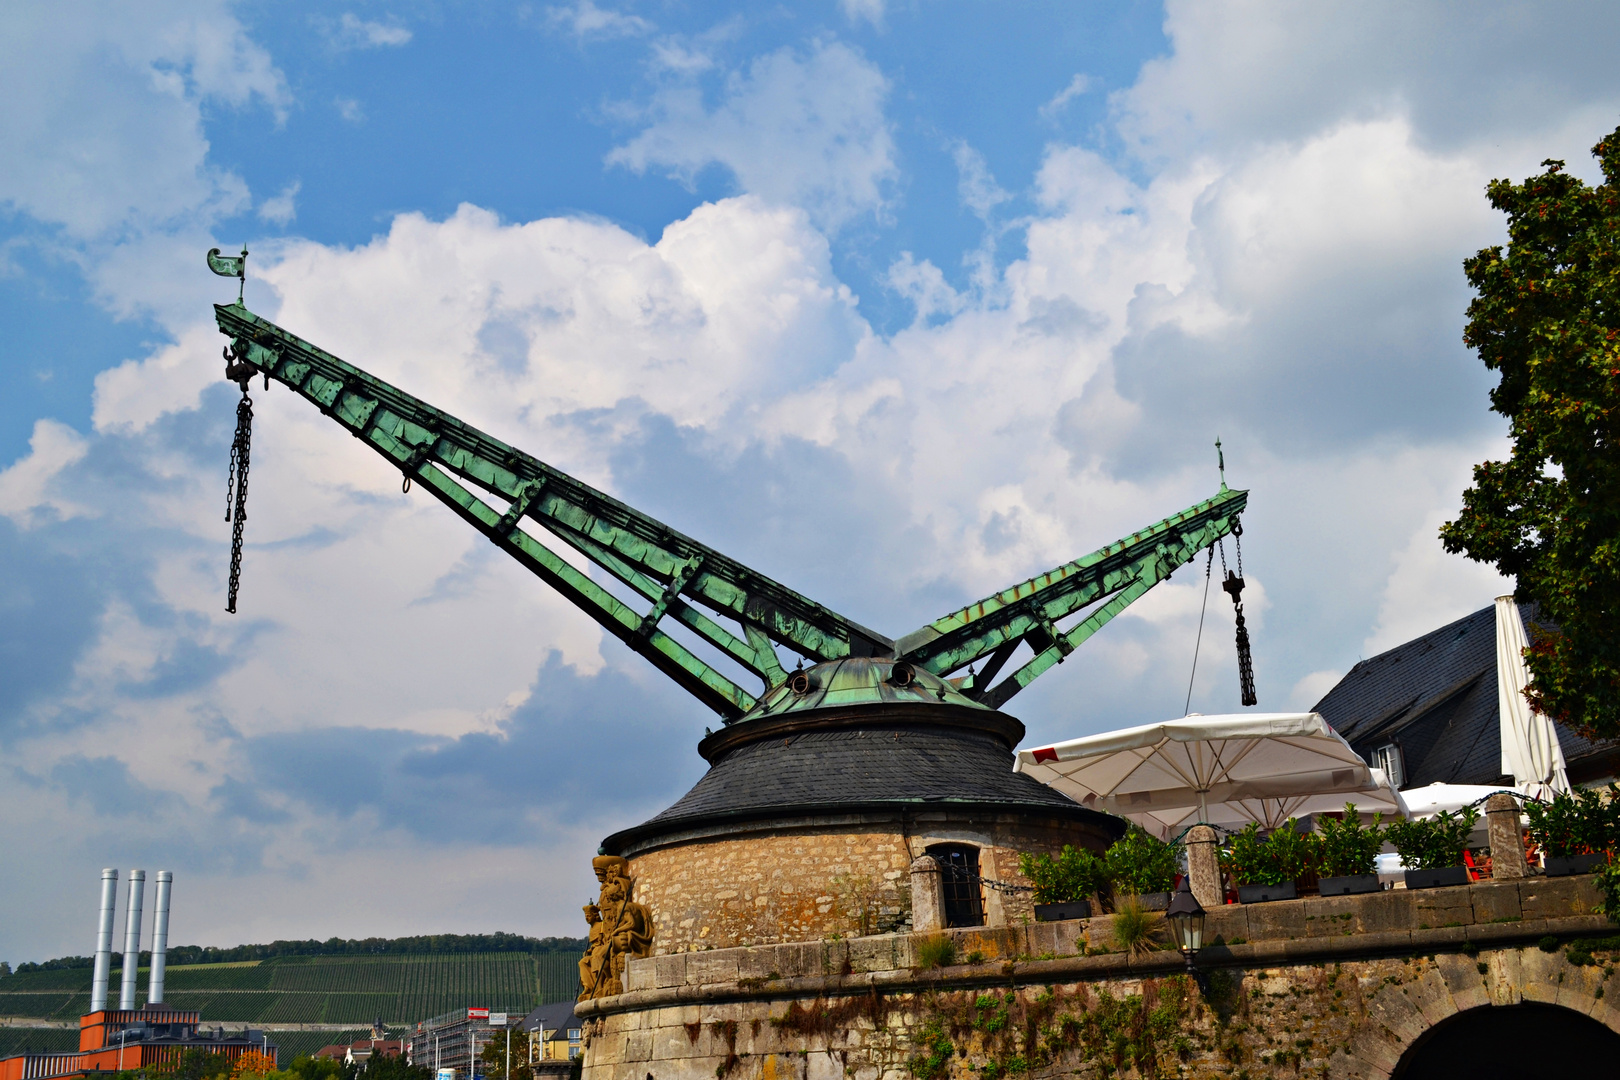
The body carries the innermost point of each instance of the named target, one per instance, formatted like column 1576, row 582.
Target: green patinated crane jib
column 1029, row 611
column 673, row 572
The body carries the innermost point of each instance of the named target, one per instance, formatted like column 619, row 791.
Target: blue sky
column 898, row 302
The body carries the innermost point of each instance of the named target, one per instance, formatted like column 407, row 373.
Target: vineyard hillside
column 324, row 990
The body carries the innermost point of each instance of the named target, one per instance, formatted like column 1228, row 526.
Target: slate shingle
column 864, row 766
column 1436, row 697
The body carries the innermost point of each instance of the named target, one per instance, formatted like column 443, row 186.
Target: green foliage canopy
column 1348, row 846
column 422, row 943
column 1075, row 874
column 495, row 1058
column 1433, row 843
column 1585, row 822
column 1140, row 862
column 1547, row 318
column 1284, row 855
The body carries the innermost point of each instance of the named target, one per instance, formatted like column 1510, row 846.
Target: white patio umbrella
column 1379, row 797
column 1426, row 802
column 1223, row 770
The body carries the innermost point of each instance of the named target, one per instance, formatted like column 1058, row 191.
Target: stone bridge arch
column 1455, row 996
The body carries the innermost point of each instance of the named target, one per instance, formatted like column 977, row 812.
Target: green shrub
column 936, row 952
column 1433, row 843
column 1348, row 847
column 1608, row 883
column 1285, row 855
column 1585, row 822
column 1141, row 863
column 1074, row 875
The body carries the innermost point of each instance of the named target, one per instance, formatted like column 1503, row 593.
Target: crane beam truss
column 1028, row 613
column 688, row 583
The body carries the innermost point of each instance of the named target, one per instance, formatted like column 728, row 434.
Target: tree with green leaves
column 497, row 1060
column 395, row 1067
column 1547, row 318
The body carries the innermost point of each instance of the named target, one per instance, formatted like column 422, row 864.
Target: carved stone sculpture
column 620, row 929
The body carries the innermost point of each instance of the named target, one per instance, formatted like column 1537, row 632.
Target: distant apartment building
column 454, row 1040
column 554, row 1037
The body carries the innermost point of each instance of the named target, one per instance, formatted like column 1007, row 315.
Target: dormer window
column 1388, row 758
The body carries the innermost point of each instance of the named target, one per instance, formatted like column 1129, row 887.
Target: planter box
column 1072, row 909
column 1437, row 879
column 1565, row 865
column 1350, row 884
column 1154, row 901
column 1261, row 894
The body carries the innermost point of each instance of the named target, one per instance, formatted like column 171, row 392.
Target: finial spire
column 1220, row 458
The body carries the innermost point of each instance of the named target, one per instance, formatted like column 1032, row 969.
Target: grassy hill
column 401, row 989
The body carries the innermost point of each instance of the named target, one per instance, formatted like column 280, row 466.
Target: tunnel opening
column 1525, row 1042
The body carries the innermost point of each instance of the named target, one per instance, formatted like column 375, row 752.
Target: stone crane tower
column 826, row 780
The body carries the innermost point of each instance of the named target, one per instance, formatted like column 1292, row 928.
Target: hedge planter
column 1261, row 894
column 1072, row 909
column 1437, row 879
column 1350, row 885
column 1565, row 865
column 1154, row 901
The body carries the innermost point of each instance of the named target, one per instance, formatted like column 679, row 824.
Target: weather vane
column 230, row 266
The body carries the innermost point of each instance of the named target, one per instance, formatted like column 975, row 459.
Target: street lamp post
column 1186, row 917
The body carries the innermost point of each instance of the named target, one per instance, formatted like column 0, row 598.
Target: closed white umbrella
column 1531, row 753
column 1222, row 770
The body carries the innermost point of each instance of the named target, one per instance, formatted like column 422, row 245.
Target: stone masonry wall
column 806, row 885
column 1335, row 987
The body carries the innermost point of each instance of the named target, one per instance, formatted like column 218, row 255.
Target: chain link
column 999, row 886
column 237, row 479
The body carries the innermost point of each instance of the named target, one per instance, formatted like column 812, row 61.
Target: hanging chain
column 239, row 371
column 1233, row 585
column 237, row 478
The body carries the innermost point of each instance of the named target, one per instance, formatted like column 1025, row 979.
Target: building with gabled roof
column 1427, row 712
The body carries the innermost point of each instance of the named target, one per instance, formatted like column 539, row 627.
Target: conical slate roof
column 882, row 751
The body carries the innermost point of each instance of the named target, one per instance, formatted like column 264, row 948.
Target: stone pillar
column 1507, row 843
column 1204, row 867
column 927, row 896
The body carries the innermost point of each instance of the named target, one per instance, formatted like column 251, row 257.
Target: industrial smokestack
column 132, row 939
column 160, row 938
column 104, row 932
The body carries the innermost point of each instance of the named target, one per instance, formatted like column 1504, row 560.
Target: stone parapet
column 1341, row 988
column 1397, row 922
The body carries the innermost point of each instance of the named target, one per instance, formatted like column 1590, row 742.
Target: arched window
column 964, row 898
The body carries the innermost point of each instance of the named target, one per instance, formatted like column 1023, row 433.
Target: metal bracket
column 671, row 592
column 1054, row 637
column 422, row 452
column 520, row 506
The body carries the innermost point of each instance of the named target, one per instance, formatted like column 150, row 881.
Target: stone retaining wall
column 1322, row 986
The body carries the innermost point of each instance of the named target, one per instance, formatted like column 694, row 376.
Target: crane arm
column 460, row 465
column 1028, row 613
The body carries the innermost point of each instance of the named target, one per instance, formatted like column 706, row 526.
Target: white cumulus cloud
column 350, row 31
column 807, row 130
column 282, row 208
column 585, row 19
